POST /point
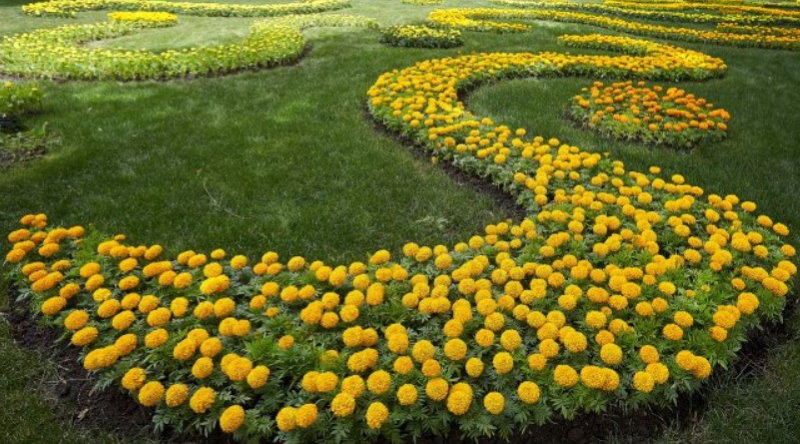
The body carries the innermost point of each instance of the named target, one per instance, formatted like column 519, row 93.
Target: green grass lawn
column 286, row 159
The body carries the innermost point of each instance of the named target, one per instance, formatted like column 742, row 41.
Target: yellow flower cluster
column 620, row 286
column 58, row 53
column 143, row 16
column 686, row 14
column 421, row 37
column 486, row 19
column 653, row 115
column 68, row 8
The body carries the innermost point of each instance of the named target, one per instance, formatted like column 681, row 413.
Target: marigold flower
column 176, row 395
column 202, row 400
column 494, row 403
column 343, row 404
column 134, row 378
column 232, row 418
column 286, row 419
column 151, row 393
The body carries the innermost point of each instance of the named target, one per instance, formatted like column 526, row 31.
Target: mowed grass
column 286, row 159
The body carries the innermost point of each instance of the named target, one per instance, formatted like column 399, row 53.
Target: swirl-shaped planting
column 58, row 53
column 490, row 19
column 620, row 287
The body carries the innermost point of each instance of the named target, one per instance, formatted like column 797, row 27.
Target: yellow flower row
column 421, row 37
column 59, row 53
column 143, row 16
column 645, row 13
column 489, row 19
column 68, row 8
column 621, row 287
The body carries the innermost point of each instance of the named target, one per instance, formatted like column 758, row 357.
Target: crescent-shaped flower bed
column 415, row 36
column 620, row 288
column 57, row 53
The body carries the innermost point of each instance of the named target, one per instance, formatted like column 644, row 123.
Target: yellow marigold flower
column 648, row 354
column 211, row 347
column 232, row 418
column 343, row 405
column 484, row 337
column 717, row 333
column 76, row 320
column 53, row 305
column 423, row 350
column 134, row 378
column 575, row 342
column 285, row 342
column 407, row 394
column 69, row 290
column 376, row 415
column 326, row 382
column 528, row 392
column 202, row 400
column 203, row 368
column 156, row 338
column 494, row 403
column 537, row 361
column 379, row 382
column 123, row 320
column 148, row 303
column 673, row 332
column 125, row 344
column 15, row 255
column 286, row 419
column 258, row 377
column 683, row 319
column 455, row 349
column 459, row 400
column 151, row 393
column 109, row 308
column 702, row 368
column 353, row 385
column 436, row 389
column 503, row 362
column 510, row 340
column 176, row 395
column 84, row 336
column 474, row 367
column 611, row 354
column 306, row 415
column 565, row 376
column 179, row 306
column 643, row 382
column 184, row 350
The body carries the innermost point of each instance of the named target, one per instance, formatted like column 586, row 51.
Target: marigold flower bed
column 56, row 53
column 621, row 288
column 652, row 115
column 68, row 8
column 421, row 37
column 491, row 19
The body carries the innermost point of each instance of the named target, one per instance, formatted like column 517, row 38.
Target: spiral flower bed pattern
column 620, row 288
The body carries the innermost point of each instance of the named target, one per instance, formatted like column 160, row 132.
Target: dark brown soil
column 70, row 389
